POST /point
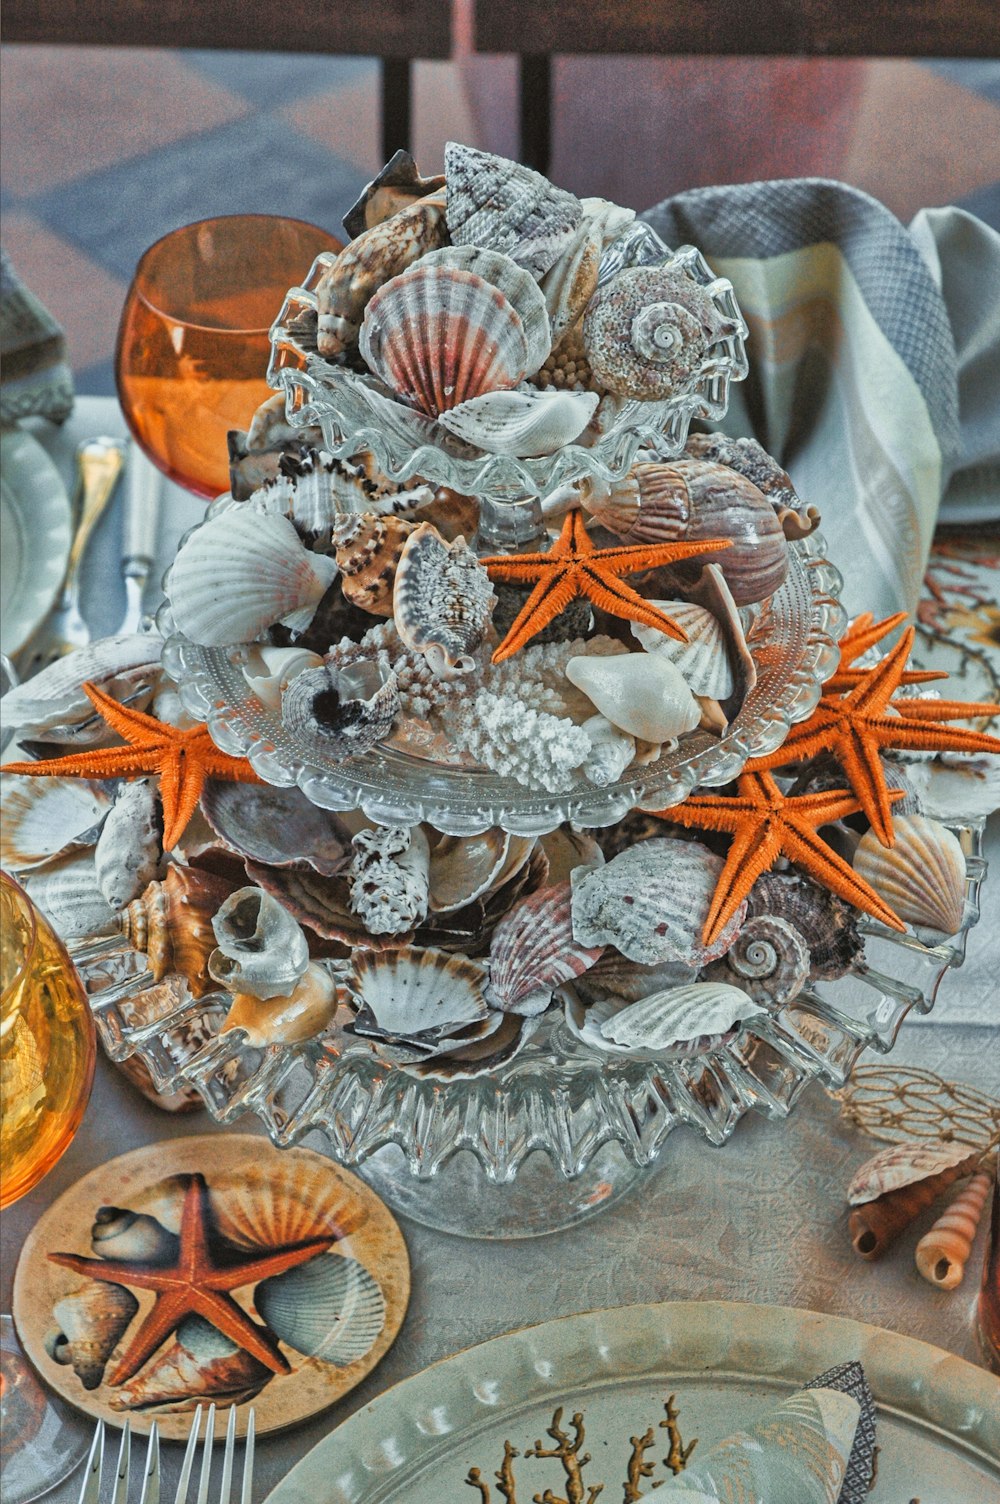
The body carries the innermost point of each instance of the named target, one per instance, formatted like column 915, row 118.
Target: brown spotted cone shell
column 368, row 549
column 171, row 922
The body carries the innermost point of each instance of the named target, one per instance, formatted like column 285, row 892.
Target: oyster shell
column 279, row 826
column 320, row 903
column 129, row 851
column 125, row 667
column 703, row 659
column 521, row 423
column 464, row 868
column 534, row 951
column 368, row 550
column 200, row 1364
column 302, row 1013
column 261, row 949
column 418, row 992
column 651, row 903
column 66, row 891
column 342, row 711
column 329, row 1308
column 571, row 282
column 442, row 601
column 503, row 206
column 389, row 878
column 45, row 818
column 769, row 959
column 90, row 1323
column 903, row 1164
column 239, row 573
column 171, row 922
column 643, row 695
column 922, row 875
column 684, row 1021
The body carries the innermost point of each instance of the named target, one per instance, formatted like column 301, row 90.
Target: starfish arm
column 165, row 1317
column 230, row 1319
column 619, row 599
column 546, row 601
column 864, row 632
column 131, row 725
column 803, row 741
column 196, row 1210
column 873, row 694
column 753, row 851
column 116, row 1272
column 235, row 769
column 630, row 558
column 930, row 737
column 268, row 1263
column 823, row 806
column 858, row 755
column 805, row 847
column 706, row 812
column 182, row 779
column 946, row 710
column 520, row 568
column 99, row 762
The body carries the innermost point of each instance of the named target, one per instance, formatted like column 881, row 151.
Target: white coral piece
column 389, row 878
column 539, row 750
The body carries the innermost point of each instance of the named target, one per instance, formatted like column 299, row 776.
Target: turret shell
column 506, row 207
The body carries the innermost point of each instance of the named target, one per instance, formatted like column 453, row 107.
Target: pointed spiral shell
column 769, row 960
column 943, row 1252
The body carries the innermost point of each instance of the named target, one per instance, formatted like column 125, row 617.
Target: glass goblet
column 193, row 342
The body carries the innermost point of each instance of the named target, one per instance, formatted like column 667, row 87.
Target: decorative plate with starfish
column 211, row 1268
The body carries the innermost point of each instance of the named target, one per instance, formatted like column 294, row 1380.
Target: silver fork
column 93, row 1476
column 91, row 1491
column 99, row 464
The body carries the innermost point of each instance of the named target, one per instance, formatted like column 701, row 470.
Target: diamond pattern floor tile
column 268, row 79
column 85, row 298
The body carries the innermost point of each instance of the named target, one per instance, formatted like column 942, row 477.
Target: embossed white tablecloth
column 760, row 1220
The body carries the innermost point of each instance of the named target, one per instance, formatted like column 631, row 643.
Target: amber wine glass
column 193, row 341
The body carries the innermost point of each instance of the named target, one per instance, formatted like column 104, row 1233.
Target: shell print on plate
column 275, row 825
column 442, row 601
column 199, row 1364
column 643, row 695
column 171, row 922
column 522, row 423
column 683, row 1021
column 651, row 903
column 703, row 659
column 88, row 1327
column 922, row 875
column 648, row 331
column 344, row 711
column 44, row 818
column 499, row 204
column 239, row 573
column 261, row 949
column 368, row 548
column 409, row 991
column 769, row 959
column 534, row 951
column 330, row 1308
column 438, row 335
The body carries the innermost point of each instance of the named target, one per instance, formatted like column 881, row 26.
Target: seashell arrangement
column 895, row 1186
column 171, row 923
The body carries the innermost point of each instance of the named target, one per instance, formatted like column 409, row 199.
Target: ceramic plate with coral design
column 211, row 1268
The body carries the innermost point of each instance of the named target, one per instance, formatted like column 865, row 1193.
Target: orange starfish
column 181, row 759
column 197, row 1282
column 574, row 567
column 856, row 726
column 766, row 824
column 863, row 633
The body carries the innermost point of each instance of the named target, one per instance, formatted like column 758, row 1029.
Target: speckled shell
column 769, row 959
column 261, row 949
column 350, row 280
column 368, row 549
column 279, row 826
column 172, row 924
column 330, row 1308
column 389, row 876
column 703, row 659
column 570, row 284
column 439, row 335
column 684, row 1020
column 903, row 1164
column 289, row 1018
column 643, row 695
column 127, row 668
column 534, row 951
column 651, row 902
column 44, row 818
column 830, row 924
column 442, row 601
column 518, row 286
column 521, row 423
column 200, row 1364
column 343, row 711
column 921, row 876
column 394, row 188
column 648, row 331
column 129, row 850
column 239, row 573
column 90, row 1323
column 66, row 891
column 413, row 992
column 506, row 207
column 320, row 903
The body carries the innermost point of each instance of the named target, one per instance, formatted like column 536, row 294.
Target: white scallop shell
column 463, row 868
column 521, row 423
column 268, row 671
column 922, row 876
column 903, row 1164
column 129, row 851
column 668, row 1021
column 261, row 948
column 44, row 818
column 66, row 891
column 517, row 285
column 703, row 659
column 651, row 903
column 533, row 951
column 410, row 991
column 437, row 335
column 127, row 668
column 506, row 207
column 329, row 1308
column 610, row 753
column 239, row 573
column 442, row 601
column 643, row 695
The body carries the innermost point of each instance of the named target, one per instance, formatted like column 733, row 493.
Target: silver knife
column 140, row 533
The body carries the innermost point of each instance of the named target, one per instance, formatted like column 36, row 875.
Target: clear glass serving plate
column 793, row 643
column 359, row 416
column 547, row 1139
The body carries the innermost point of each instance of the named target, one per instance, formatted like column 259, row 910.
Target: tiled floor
column 104, row 150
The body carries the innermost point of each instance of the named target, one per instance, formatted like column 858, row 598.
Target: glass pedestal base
column 459, row 1199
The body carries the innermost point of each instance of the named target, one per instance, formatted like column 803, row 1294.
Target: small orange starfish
column 856, row 726
column 766, row 824
column 181, row 759
column 863, row 633
column 574, row 567
column 197, row 1281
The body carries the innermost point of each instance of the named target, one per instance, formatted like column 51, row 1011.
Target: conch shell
column 172, row 923
column 442, row 601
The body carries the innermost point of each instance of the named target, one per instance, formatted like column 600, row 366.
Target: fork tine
column 151, row 1474
column 248, row 1460
column 192, row 1442
column 227, row 1458
column 206, row 1457
column 120, row 1495
column 90, row 1493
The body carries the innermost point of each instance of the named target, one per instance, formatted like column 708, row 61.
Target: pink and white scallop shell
column 903, row 1164
column 534, row 951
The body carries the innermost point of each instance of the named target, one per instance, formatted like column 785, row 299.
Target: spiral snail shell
column 171, row 922
column 769, row 960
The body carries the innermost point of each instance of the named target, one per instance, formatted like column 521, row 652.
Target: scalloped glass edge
column 358, row 418
column 556, row 1096
column 477, row 800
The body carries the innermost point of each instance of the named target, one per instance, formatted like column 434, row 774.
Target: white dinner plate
column 36, row 529
column 725, row 1363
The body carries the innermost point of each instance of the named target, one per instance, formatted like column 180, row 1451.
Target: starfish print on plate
column 574, row 567
column 855, row 727
column 864, row 633
column 181, row 759
column 197, row 1282
column 766, row 824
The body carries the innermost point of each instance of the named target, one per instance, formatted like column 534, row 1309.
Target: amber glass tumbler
column 989, row 1295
